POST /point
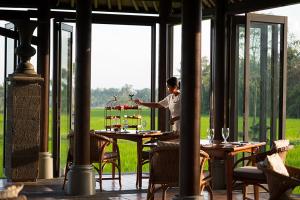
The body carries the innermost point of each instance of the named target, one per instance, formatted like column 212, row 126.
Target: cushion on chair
column 168, row 144
column 281, row 143
column 249, row 172
column 276, row 164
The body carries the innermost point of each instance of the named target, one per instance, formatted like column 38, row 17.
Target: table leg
column 139, row 164
column 229, row 174
column 113, row 168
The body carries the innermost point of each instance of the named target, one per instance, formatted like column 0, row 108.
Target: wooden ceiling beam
column 134, row 5
column 206, row 3
column 119, row 4
column 254, row 5
column 109, row 4
column 212, row 3
column 95, row 3
column 15, row 35
column 145, row 6
column 155, row 6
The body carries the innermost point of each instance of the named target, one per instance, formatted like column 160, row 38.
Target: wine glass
column 144, row 124
column 225, row 134
column 210, row 135
column 125, row 126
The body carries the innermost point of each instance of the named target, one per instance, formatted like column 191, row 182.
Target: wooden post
column 43, row 62
column 191, row 101
column 164, row 10
column 82, row 171
column 219, row 70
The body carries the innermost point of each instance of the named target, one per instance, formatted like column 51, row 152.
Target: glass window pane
column 240, row 63
column 65, row 93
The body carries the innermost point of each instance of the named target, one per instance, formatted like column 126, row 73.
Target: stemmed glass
column 210, row 135
column 225, row 134
column 144, row 124
column 125, row 126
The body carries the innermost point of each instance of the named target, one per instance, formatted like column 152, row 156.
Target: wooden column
column 81, row 176
column 43, row 66
column 83, row 82
column 191, row 101
column 275, row 68
column 219, row 69
column 164, row 10
column 153, row 73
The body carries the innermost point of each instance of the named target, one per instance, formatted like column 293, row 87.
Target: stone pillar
column 22, row 140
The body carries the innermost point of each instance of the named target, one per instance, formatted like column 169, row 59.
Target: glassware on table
column 210, row 135
column 125, row 126
column 225, row 134
column 144, row 124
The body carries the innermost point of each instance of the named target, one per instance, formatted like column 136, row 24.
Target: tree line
column 100, row 96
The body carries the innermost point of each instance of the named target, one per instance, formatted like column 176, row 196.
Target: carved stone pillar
column 22, row 140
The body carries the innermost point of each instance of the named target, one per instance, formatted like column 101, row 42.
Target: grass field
column 128, row 149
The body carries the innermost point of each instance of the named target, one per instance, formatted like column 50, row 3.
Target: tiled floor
column 52, row 189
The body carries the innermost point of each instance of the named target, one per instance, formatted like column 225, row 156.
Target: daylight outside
column 129, row 74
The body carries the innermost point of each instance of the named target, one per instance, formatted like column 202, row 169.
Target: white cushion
column 276, row 164
column 281, row 143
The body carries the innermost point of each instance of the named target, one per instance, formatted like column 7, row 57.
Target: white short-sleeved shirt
column 173, row 103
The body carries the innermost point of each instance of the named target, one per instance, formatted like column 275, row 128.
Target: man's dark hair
column 173, row 82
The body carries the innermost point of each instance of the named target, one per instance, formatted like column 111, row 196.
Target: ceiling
column 152, row 6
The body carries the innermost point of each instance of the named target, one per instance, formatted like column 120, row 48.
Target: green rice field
column 128, row 149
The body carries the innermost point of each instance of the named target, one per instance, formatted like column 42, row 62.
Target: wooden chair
column 99, row 156
column 280, row 186
column 249, row 174
column 167, row 136
column 164, row 170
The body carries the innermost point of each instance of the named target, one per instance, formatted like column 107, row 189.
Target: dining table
column 137, row 136
column 226, row 152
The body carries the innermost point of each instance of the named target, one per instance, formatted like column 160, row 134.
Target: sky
column 121, row 54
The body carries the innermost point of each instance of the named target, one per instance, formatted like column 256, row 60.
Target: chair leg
column 150, row 193
column 209, row 189
column 256, row 192
column 67, row 168
column 244, row 191
column 119, row 168
column 100, row 175
column 164, row 192
column 137, row 178
column 65, row 179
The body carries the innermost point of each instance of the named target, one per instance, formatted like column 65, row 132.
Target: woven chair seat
column 248, row 172
column 110, row 155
